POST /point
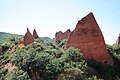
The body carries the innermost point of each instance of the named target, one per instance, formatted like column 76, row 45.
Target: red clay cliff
column 88, row 37
column 35, row 35
column 27, row 38
column 60, row 36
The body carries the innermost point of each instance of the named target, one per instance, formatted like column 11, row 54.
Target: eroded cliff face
column 118, row 41
column 35, row 35
column 88, row 37
column 61, row 35
column 28, row 38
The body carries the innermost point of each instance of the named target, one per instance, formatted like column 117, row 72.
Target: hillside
column 47, row 39
column 52, row 61
column 4, row 36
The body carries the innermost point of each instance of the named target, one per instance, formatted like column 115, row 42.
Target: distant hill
column 47, row 39
column 4, row 36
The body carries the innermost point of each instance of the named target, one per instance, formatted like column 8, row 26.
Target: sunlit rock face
column 88, row 37
column 35, row 35
column 118, row 41
column 28, row 38
column 61, row 35
column 21, row 41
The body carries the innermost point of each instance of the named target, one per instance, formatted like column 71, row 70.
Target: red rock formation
column 24, row 41
column 118, row 41
column 35, row 35
column 28, row 38
column 60, row 36
column 88, row 37
column 21, row 41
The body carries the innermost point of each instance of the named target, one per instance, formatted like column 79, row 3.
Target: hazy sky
column 50, row 16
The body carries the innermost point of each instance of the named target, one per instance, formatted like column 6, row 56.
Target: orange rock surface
column 60, row 36
column 28, row 38
column 21, row 41
column 24, row 41
column 88, row 37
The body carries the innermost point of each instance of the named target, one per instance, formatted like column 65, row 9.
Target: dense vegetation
column 5, row 36
column 43, row 60
column 47, row 39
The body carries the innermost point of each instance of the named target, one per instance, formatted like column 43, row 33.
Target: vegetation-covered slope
column 4, row 36
column 47, row 39
column 46, row 61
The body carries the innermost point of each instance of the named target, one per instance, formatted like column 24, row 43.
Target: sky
column 51, row 16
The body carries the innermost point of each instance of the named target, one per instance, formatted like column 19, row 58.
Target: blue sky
column 50, row 16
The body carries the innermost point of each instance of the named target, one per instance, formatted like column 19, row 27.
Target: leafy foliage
column 62, row 43
column 47, row 40
column 46, row 61
column 17, row 74
column 6, row 36
column 50, row 60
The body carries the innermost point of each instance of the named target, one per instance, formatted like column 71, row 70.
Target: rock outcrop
column 118, row 41
column 35, row 35
column 88, row 37
column 28, row 38
column 21, row 41
column 60, row 36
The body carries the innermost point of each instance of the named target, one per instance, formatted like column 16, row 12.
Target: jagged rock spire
column 28, row 30
column 35, row 35
column 28, row 38
column 88, row 37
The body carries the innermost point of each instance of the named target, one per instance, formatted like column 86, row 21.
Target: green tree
column 17, row 74
column 62, row 43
